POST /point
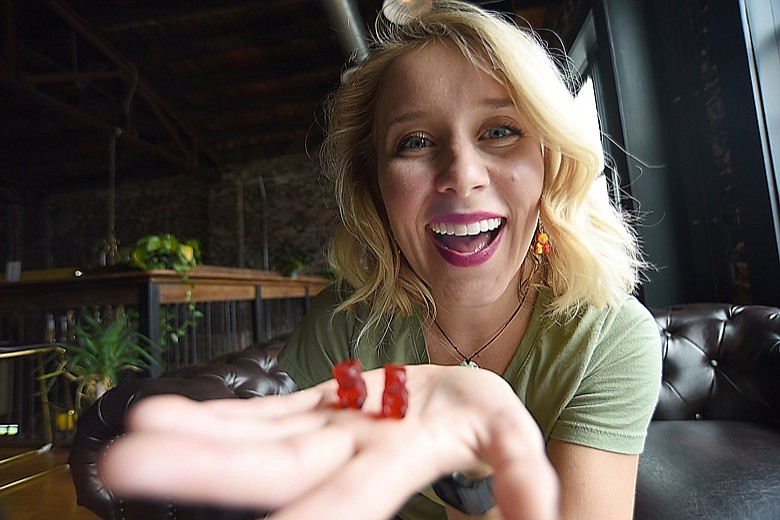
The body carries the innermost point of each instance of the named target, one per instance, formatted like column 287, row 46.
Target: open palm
column 305, row 458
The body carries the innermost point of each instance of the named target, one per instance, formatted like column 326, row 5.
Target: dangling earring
column 541, row 244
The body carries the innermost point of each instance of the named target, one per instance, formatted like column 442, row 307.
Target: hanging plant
column 168, row 252
column 292, row 261
column 165, row 252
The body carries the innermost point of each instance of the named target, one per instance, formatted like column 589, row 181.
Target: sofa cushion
column 709, row 469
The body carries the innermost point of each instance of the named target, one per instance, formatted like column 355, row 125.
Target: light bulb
column 402, row 11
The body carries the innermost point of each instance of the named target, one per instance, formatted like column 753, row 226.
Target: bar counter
column 54, row 290
column 74, row 287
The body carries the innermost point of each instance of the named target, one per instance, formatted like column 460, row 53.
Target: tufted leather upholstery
column 720, row 362
column 252, row 372
column 713, row 448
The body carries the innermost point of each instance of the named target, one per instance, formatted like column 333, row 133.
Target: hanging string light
column 111, row 246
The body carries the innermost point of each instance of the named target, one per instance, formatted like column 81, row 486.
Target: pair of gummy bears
column 352, row 388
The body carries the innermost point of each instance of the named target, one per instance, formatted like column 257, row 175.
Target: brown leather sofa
column 713, row 448
column 252, row 372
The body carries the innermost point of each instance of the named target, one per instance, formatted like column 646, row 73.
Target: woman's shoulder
column 397, row 336
column 329, row 297
column 630, row 322
column 629, row 311
column 632, row 314
column 325, row 304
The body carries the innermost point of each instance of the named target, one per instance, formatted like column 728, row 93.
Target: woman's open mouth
column 467, row 244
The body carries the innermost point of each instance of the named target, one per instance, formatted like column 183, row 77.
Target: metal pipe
column 349, row 27
column 10, row 36
column 264, row 200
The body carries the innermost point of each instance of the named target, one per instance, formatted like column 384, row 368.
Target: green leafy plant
column 166, row 252
column 292, row 261
column 101, row 351
column 172, row 333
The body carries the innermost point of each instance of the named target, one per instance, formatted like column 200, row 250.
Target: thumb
column 525, row 484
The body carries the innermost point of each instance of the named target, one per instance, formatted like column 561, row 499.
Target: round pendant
column 468, row 363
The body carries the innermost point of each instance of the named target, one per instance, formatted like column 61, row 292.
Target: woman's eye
column 499, row 132
column 413, row 142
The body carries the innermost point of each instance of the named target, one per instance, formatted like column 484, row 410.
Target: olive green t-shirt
column 591, row 380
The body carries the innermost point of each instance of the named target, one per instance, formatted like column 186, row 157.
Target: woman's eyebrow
column 405, row 117
column 497, row 103
column 491, row 102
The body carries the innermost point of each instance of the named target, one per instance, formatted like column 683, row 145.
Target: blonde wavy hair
column 595, row 259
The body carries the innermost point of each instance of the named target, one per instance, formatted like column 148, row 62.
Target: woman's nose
column 462, row 171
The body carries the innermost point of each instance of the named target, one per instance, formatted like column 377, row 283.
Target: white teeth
column 461, row 230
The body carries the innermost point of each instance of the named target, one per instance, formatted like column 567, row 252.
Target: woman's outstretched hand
column 305, row 458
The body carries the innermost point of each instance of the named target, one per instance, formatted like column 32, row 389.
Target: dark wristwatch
column 472, row 497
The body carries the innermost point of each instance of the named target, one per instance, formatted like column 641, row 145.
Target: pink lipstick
column 466, row 240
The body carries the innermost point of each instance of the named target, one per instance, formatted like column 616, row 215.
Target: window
column 760, row 18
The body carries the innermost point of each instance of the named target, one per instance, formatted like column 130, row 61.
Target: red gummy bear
column 395, row 398
column 352, row 388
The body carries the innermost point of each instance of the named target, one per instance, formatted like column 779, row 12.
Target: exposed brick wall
column 75, row 224
column 300, row 213
column 68, row 229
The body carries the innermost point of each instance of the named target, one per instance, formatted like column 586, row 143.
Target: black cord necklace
column 468, row 361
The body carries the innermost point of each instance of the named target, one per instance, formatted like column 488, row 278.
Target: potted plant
column 102, row 350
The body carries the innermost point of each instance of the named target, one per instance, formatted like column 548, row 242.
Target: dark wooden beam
column 135, row 16
column 167, row 114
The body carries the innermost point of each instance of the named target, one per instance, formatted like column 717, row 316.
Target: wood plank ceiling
column 176, row 86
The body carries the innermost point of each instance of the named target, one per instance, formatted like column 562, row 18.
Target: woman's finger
column 375, row 483
column 244, row 474
column 262, row 418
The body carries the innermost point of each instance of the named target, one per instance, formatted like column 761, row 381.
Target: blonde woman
column 473, row 237
column 461, row 120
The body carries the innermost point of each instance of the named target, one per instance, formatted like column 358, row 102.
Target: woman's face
column 459, row 174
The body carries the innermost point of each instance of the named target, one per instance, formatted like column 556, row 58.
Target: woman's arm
column 595, row 484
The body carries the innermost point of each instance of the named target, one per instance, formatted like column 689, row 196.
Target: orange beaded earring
column 541, row 244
